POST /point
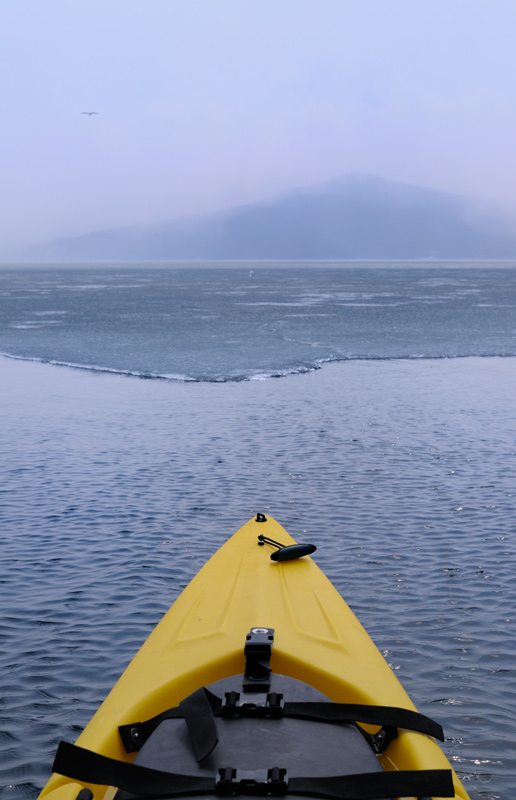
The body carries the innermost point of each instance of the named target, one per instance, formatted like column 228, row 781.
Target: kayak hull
column 200, row 640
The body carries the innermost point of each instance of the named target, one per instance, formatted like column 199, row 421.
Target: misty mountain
column 358, row 217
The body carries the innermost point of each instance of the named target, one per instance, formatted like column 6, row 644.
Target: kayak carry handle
column 287, row 552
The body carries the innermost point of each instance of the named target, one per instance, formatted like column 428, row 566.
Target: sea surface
column 146, row 413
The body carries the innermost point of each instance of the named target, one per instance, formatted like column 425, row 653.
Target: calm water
column 115, row 490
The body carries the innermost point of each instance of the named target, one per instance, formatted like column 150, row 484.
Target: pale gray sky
column 205, row 104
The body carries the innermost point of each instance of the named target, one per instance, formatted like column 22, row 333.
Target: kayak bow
column 258, row 680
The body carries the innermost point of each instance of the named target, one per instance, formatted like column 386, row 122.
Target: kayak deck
column 199, row 641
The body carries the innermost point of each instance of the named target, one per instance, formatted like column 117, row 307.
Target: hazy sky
column 205, row 104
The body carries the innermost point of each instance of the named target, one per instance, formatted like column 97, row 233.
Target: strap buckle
column 233, row 706
column 263, row 783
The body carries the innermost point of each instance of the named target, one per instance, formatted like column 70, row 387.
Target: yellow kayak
column 259, row 680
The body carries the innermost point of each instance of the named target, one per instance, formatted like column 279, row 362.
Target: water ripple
column 113, row 497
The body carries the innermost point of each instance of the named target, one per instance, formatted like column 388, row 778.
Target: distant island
column 357, row 217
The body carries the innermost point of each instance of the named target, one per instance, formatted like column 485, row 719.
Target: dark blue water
column 115, row 490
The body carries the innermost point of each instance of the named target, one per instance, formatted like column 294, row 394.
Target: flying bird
column 89, row 113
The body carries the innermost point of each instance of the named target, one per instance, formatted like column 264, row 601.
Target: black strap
column 83, row 765
column 374, row 715
column 136, row 734
column 206, row 706
column 373, row 785
column 200, row 721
